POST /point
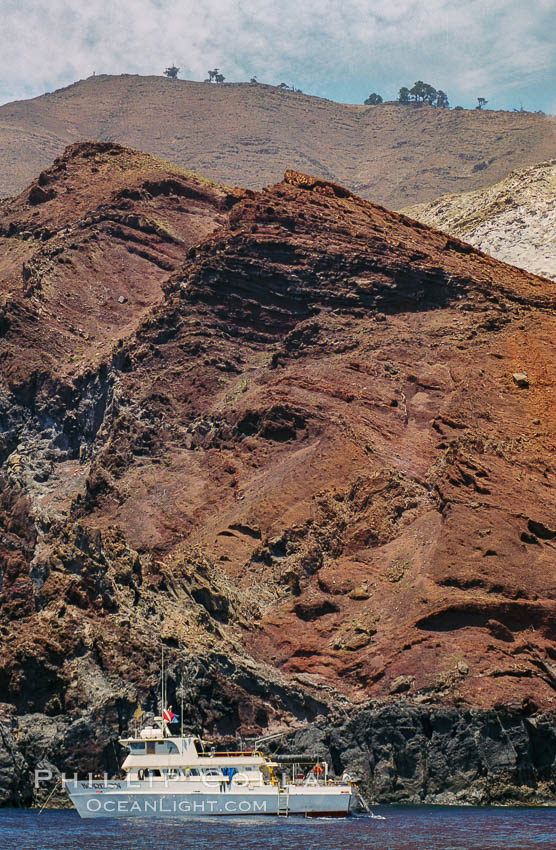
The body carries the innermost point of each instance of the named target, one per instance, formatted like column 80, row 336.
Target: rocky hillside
column 84, row 252
column 301, row 441
column 248, row 135
column 514, row 221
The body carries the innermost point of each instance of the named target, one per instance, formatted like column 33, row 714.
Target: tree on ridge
column 215, row 76
column 373, row 100
column 421, row 93
column 442, row 99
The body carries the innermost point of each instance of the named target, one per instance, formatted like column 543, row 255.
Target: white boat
column 179, row 776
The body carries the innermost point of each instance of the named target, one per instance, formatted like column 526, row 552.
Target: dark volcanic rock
column 401, row 753
column 15, row 775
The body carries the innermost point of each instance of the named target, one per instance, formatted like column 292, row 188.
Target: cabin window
column 193, row 771
column 137, row 748
column 151, row 748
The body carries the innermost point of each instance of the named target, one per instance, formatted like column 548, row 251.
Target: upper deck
column 154, row 749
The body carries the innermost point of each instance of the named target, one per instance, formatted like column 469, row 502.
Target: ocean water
column 403, row 828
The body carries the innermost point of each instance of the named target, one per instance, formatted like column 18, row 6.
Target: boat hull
column 117, row 800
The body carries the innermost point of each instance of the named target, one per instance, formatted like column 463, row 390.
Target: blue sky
column 503, row 50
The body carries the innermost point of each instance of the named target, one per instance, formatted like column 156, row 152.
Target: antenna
column 181, row 707
column 163, row 685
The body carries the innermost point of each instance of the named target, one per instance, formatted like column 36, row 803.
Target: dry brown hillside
column 249, row 134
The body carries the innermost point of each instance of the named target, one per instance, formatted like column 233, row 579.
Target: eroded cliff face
column 315, row 464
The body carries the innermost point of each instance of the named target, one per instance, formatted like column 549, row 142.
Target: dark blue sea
column 404, row 828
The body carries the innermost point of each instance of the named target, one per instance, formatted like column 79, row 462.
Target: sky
column 502, row 50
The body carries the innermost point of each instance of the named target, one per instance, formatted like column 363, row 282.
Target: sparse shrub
column 373, row 100
column 172, row 72
column 286, row 87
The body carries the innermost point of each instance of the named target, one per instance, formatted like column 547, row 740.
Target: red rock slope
column 84, row 251
column 314, row 469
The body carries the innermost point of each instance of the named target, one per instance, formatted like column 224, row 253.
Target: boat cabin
column 153, row 756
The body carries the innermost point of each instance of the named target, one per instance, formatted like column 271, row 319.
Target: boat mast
column 163, row 687
column 181, row 701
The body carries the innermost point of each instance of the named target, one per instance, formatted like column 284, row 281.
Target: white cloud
column 336, row 49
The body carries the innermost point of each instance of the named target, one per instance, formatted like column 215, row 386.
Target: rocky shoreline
column 398, row 752
column 410, row 754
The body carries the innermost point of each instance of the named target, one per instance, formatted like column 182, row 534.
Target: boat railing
column 317, row 781
column 232, row 754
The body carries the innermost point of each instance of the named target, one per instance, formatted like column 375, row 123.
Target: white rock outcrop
column 514, row 220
